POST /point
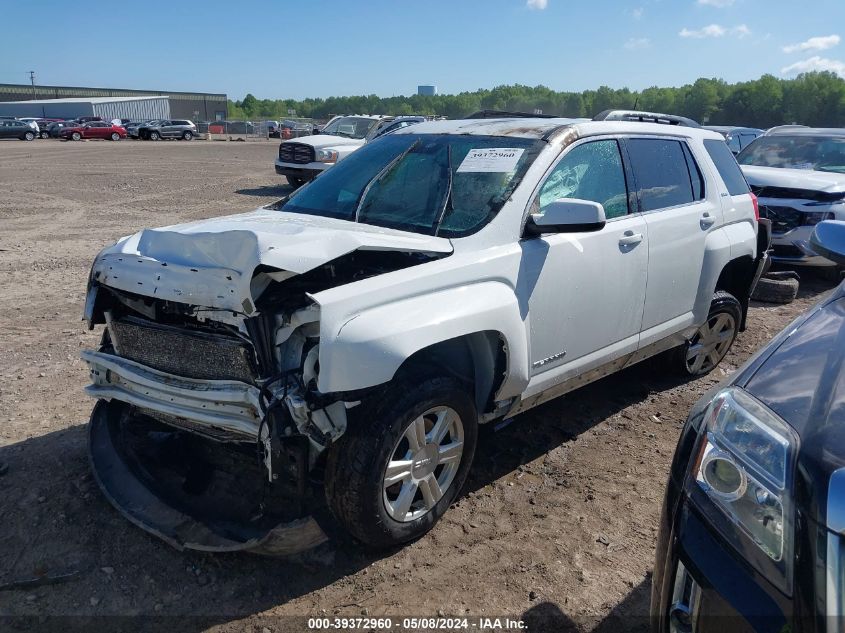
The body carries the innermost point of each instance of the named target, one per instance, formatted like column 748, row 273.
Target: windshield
column 350, row 126
column 819, row 153
column 432, row 184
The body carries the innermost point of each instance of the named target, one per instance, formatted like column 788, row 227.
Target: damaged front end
column 210, row 431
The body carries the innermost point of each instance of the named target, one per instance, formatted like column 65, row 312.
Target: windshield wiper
column 379, row 176
column 447, row 201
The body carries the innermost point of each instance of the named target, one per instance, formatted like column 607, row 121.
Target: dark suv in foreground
column 752, row 534
column 168, row 128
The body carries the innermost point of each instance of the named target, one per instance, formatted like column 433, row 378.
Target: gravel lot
column 557, row 524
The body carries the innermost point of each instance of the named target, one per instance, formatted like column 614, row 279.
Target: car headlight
column 745, row 467
column 326, row 156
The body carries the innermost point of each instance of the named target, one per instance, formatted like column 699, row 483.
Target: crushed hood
column 211, row 263
column 827, row 182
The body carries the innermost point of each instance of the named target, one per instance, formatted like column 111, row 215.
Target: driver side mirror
column 828, row 240
column 566, row 215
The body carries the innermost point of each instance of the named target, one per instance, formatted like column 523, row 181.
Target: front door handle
column 629, row 238
column 707, row 220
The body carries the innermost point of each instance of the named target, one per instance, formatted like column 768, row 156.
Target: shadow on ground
column 267, row 191
column 55, row 520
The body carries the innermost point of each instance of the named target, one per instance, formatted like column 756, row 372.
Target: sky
column 321, row 48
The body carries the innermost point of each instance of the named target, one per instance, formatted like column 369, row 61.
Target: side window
column 733, row 142
column 695, row 177
column 727, row 167
column 660, row 167
column 592, row 171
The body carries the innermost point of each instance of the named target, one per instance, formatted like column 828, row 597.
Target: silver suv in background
column 798, row 174
column 168, row 128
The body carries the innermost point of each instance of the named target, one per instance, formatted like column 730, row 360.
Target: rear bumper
column 205, row 523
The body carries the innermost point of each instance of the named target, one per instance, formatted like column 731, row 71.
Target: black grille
column 183, row 352
column 296, row 153
column 783, row 218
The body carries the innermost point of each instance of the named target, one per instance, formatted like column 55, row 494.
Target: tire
column 76, row 136
column 29, row 136
column 45, row 135
column 154, row 136
column 187, row 136
column 115, row 136
column 772, row 289
column 695, row 358
column 357, row 489
column 294, row 182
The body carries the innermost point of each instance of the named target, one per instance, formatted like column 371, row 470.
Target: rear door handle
column 629, row 238
column 707, row 220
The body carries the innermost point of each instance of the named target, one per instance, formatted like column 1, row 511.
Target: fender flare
column 366, row 349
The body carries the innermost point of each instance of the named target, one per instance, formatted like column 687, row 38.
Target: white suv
column 346, row 343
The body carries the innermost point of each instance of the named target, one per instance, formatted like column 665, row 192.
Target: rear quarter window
column 727, row 167
column 662, row 173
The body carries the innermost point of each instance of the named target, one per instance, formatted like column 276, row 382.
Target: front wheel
column 29, row 136
column 154, row 136
column 400, row 465
column 294, row 182
column 76, row 136
column 45, row 135
column 115, row 136
column 712, row 341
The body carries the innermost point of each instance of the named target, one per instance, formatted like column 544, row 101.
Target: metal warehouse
column 106, row 107
column 197, row 106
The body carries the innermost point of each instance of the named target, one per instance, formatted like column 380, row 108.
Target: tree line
column 815, row 99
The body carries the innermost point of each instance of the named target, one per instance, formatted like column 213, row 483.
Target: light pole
column 32, row 81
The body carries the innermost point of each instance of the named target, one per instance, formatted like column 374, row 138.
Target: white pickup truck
column 303, row 159
column 338, row 350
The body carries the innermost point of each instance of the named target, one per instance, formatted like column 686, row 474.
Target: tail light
column 756, row 204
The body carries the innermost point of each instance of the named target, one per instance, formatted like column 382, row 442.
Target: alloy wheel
column 423, row 464
column 710, row 343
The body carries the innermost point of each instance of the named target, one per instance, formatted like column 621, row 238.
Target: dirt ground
column 556, row 526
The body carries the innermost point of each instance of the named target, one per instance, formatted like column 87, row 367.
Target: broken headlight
column 744, row 466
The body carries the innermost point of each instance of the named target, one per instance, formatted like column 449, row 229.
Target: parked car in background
column 305, row 158
column 92, row 130
column 737, row 138
column 11, row 128
column 54, row 129
column 33, row 123
column 398, row 123
column 447, row 275
column 294, row 129
column 168, row 128
column 752, row 533
column 798, row 174
column 269, row 128
column 133, row 126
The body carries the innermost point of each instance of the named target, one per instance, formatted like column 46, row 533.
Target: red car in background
column 93, row 129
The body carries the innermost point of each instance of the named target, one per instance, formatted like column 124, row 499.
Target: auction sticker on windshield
column 491, row 159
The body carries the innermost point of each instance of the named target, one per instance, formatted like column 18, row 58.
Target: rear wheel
column 187, row 136
column 294, row 182
column 115, row 136
column 712, row 341
column 154, row 136
column 45, row 134
column 401, row 464
column 29, row 136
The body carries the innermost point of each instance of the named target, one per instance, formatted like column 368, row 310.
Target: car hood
column 326, row 140
column 827, row 182
column 802, row 379
column 211, row 263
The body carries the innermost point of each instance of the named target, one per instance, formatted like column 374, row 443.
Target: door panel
column 586, row 289
column 679, row 216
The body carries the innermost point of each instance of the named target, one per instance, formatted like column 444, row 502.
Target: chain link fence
column 261, row 129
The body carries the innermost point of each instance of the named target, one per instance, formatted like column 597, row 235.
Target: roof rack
column 645, row 117
column 504, row 114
